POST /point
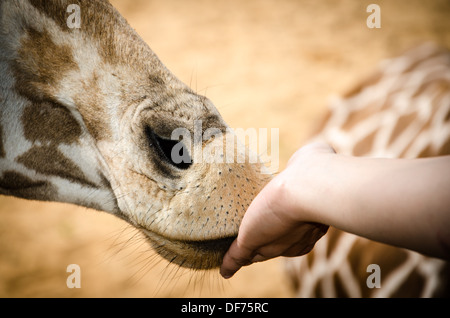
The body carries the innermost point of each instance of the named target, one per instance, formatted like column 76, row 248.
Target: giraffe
column 87, row 116
column 402, row 110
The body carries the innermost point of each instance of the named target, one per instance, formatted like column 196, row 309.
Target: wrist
column 312, row 187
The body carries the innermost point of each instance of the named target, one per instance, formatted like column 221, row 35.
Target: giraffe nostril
column 177, row 157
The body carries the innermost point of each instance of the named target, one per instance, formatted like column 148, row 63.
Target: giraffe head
column 87, row 116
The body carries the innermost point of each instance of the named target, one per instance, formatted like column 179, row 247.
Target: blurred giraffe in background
column 401, row 111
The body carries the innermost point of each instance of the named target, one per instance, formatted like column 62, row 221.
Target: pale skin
column 401, row 202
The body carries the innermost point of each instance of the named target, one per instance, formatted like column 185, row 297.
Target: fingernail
column 227, row 275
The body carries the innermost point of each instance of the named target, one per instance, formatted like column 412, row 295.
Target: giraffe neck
column 35, row 166
column 62, row 92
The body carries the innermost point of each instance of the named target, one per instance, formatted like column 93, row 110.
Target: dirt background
column 264, row 64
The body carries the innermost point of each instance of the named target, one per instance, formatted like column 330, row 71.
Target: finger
column 260, row 258
column 234, row 259
column 318, row 146
column 312, row 148
column 322, row 146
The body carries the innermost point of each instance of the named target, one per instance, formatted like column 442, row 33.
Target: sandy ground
column 264, row 64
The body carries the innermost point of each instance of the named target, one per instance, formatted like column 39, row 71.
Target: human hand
column 277, row 222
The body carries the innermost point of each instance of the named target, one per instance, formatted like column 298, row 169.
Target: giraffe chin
column 199, row 254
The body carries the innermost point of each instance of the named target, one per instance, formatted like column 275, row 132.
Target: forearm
column 399, row 202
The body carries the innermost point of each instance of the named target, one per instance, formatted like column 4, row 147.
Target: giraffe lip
column 193, row 254
column 213, row 244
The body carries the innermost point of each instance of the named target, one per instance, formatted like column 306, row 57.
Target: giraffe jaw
column 199, row 254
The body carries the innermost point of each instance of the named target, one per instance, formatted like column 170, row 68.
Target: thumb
column 234, row 259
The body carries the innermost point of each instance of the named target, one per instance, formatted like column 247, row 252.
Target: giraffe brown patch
column 56, row 10
column 364, row 145
column 426, row 152
column 360, row 115
column 341, row 292
column 337, row 283
column 317, row 293
column 100, row 21
column 444, row 289
column 402, row 123
column 49, row 122
column 447, row 117
column 364, row 83
column 333, row 239
column 48, row 160
column 2, row 149
column 118, row 44
column 358, row 262
column 13, row 181
column 411, row 287
column 445, row 148
column 310, row 258
column 16, row 184
column 92, row 109
column 40, row 65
